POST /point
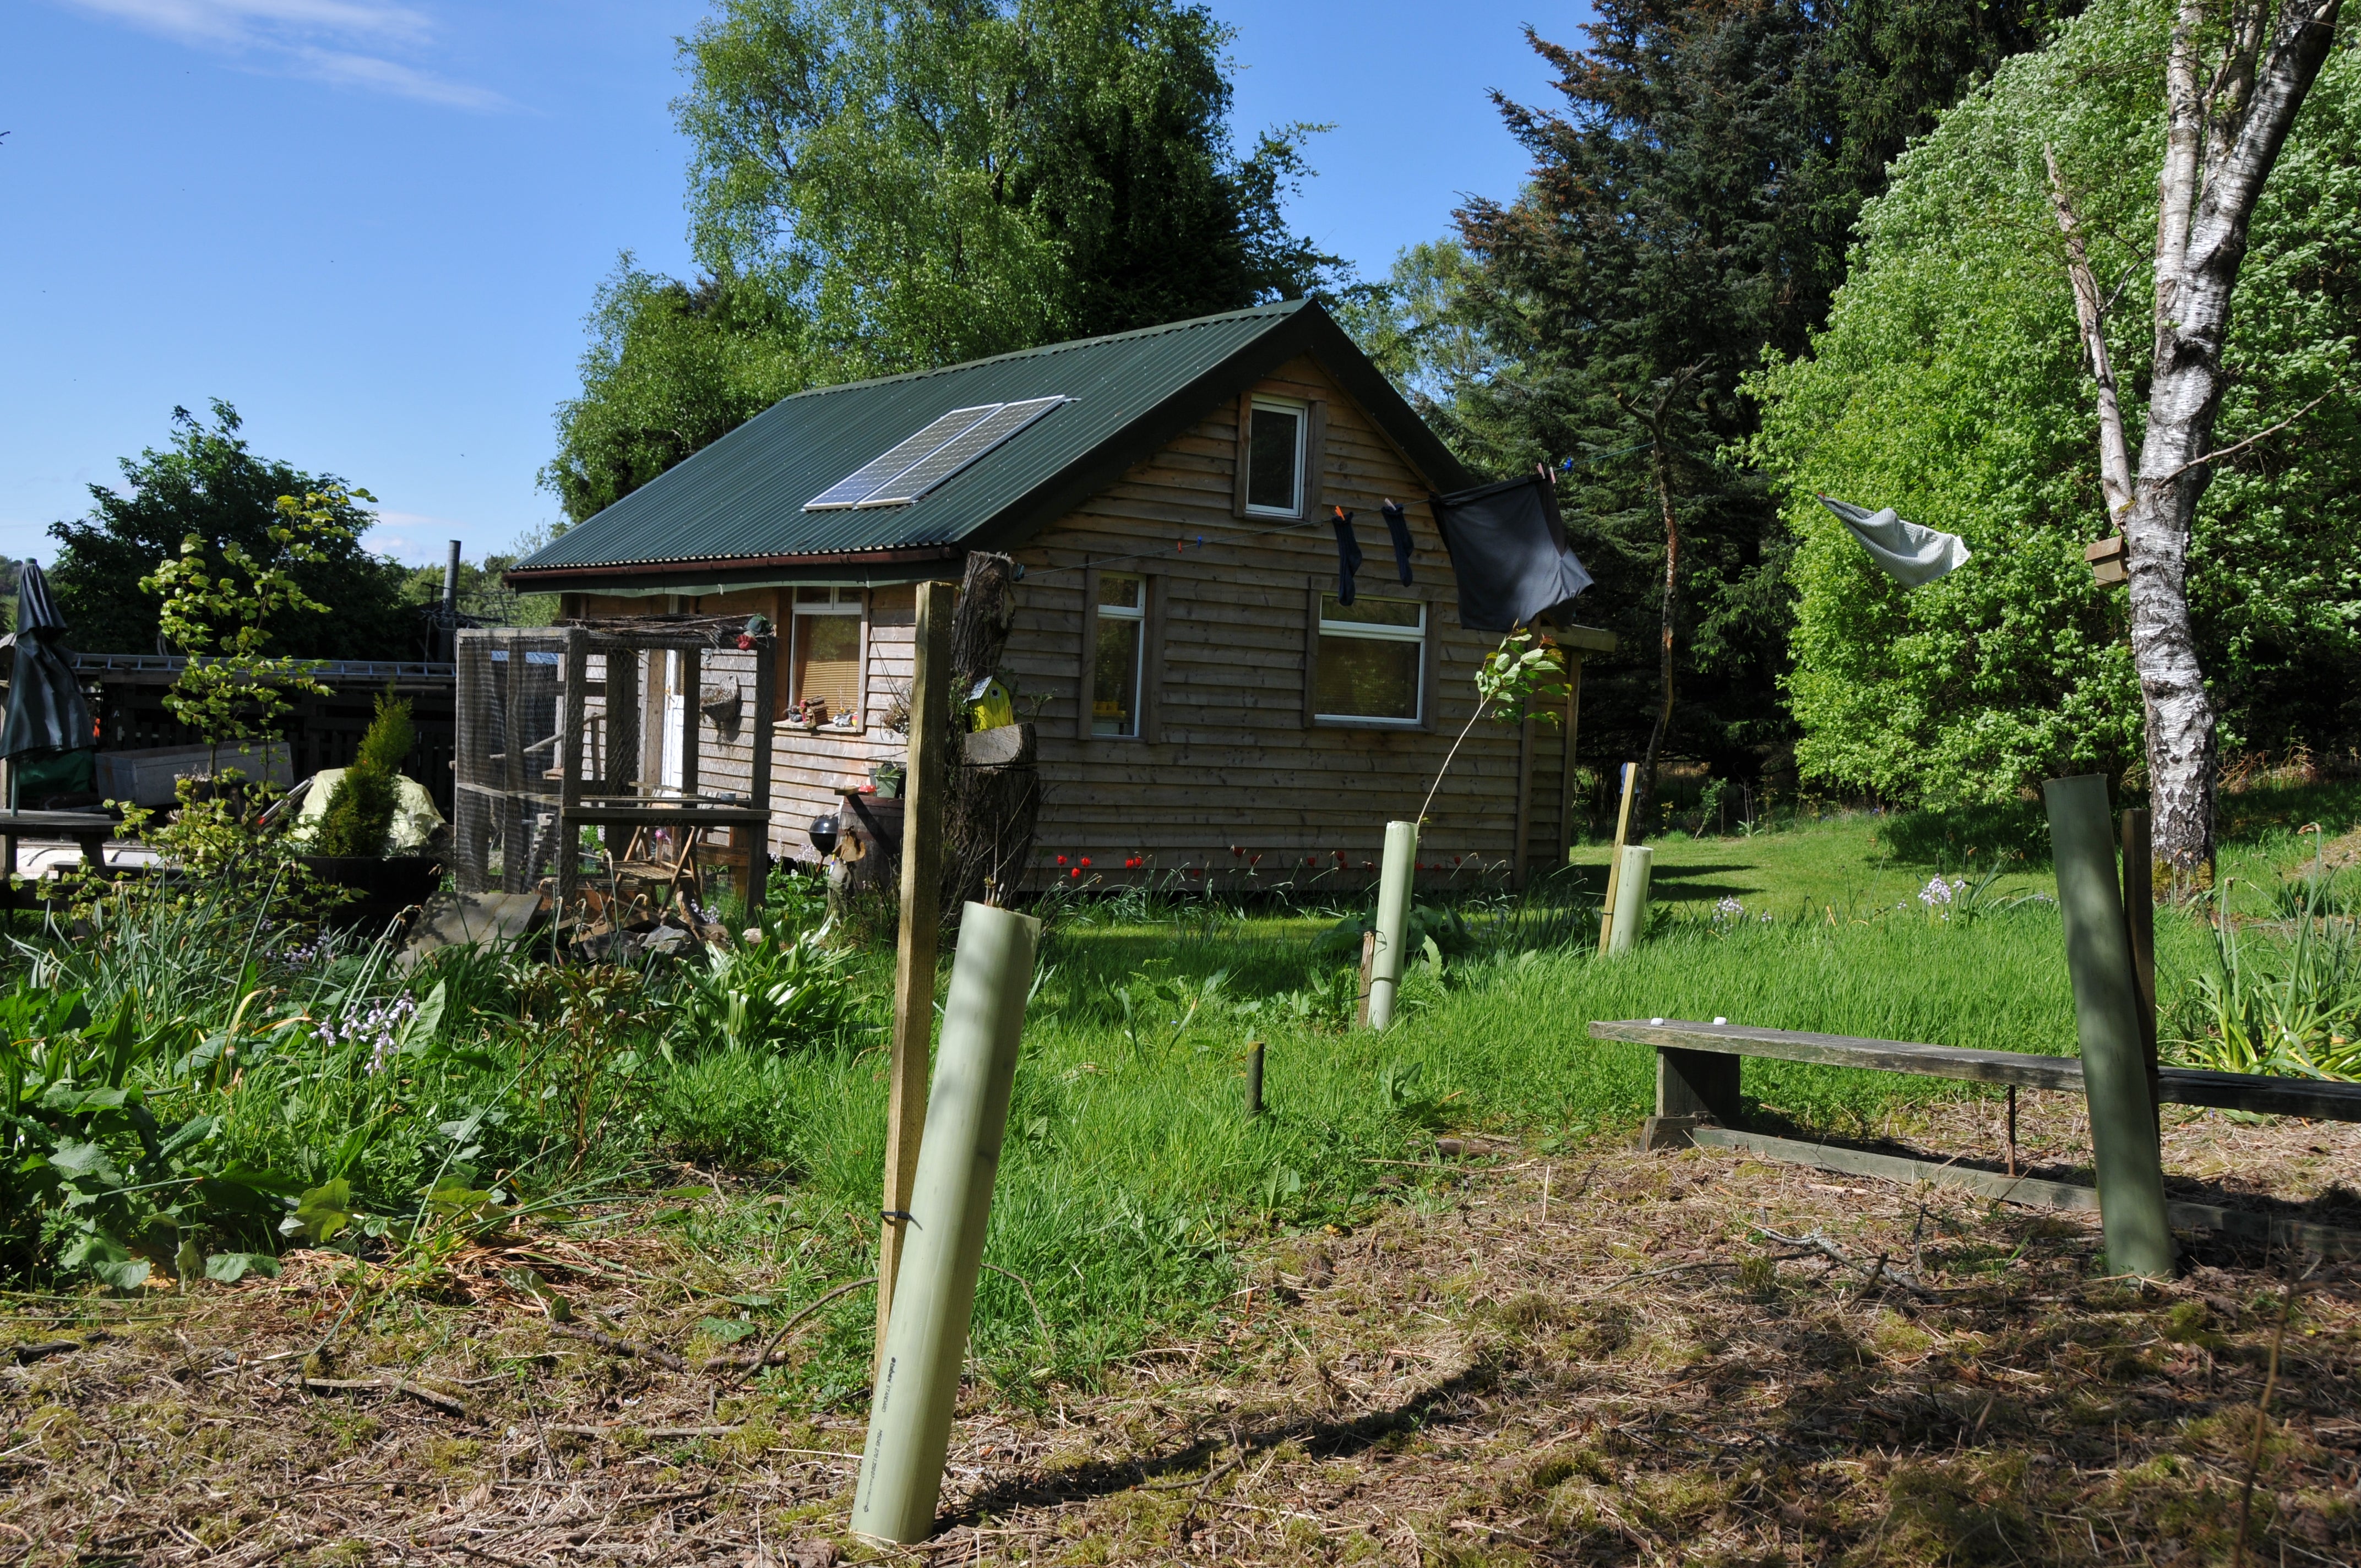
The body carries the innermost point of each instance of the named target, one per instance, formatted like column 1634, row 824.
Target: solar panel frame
column 969, row 446
column 882, row 470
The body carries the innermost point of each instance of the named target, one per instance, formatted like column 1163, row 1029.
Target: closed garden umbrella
column 49, row 718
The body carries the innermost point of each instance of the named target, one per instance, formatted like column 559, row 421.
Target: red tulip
column 1061, row 859
column 1086, row 860
column 1075, row 873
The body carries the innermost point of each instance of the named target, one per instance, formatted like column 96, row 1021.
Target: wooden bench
column 1697, row 1070
column 1698, row 1100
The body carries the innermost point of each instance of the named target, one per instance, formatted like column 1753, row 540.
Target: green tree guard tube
column 934, row 1292
column 2107, row 1022
column 1631, row 897
column 1393, row 920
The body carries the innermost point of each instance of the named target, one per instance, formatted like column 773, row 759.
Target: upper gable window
column 1274, row 459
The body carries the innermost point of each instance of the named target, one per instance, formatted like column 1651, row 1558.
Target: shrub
column 360, row 809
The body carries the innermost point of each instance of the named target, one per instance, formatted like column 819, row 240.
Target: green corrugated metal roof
column 742, row 499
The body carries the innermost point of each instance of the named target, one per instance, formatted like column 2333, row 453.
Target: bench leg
column 1692, row 1087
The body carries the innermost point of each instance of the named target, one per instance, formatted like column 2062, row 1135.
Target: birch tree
column 2236, row 77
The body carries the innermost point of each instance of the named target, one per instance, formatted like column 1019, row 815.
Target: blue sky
column 374, row 225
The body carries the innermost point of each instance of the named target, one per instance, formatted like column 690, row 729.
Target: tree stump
column 992, row 806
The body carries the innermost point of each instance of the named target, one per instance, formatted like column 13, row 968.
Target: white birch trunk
column 2223, row 136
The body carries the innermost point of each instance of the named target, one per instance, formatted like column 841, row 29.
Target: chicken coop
column 619, row 767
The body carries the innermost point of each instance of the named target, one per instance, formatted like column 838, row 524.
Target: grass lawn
column 1312, row 1336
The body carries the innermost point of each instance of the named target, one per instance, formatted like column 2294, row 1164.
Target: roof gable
column 741, row 501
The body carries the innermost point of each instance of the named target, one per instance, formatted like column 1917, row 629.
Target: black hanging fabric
column 1348, row 554
column 1398, row 524
column 47, row 710
column 1508, row 551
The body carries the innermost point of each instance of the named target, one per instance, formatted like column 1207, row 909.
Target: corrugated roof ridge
column 1275, row 308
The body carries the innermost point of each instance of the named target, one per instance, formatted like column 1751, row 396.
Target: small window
column 1372, row 660
column 1274, row 459
column 1114, row 677
column 825, row 673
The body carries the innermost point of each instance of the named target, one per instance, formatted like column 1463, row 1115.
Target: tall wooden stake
column 2139, row 927
column 914, row 968
column 1615, row 858
column 2106, row 1020
column 1566, row 776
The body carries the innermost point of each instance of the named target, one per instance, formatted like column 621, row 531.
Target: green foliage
column 777, row 990
column 92, row 1176
column 2279, row 996
column 234, row 687
column 359, row 814
column 1949, row 384
column 879, row 187
column 208, row 485
column 1692, row 191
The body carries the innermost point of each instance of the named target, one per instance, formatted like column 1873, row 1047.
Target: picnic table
column 89, row 830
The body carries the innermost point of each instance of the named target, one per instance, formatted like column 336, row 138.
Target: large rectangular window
column 1371, row 665
column 824, row 676
column 1116, row 662
column 1274, row 459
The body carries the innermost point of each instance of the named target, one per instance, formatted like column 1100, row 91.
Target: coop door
column 675, row 710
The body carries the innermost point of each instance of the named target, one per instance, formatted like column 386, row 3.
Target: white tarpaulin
column 414, row 816
column 1911, row 555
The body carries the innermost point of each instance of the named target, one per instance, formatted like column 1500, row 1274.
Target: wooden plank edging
column 2244, row 1224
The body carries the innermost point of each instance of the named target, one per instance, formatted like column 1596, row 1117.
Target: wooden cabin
column 1205, row 703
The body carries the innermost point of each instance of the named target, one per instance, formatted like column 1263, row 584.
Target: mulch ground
column 1598, row 1356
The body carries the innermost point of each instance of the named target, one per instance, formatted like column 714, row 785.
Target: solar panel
column 855, row 488
column 955, row 455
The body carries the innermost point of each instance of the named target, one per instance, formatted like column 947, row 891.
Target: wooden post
column 1253, row 1078
column 1566, row 778
column 2139, row 927
column 1522, row 840
column 1615, row 858
column 572, row 699
column 914, row 971
column 758, row 853
column 1692, row 1088
column 1361, row 994
column 516, row 845
column 2106, row 1021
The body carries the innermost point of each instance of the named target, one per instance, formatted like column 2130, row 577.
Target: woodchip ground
column 1597, row 1356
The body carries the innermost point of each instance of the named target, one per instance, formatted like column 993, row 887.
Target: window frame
column 1102, row 610
column 1148, row 727
column 1302, row 411
column 1316, row 625
column 841, row 602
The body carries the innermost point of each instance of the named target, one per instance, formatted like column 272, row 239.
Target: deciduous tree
column 879, row 186
column 209, row 484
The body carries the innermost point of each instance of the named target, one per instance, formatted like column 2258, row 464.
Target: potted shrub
column 374, row 831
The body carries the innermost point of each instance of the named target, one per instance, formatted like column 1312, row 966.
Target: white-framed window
column 1371, row 662
column 1117, row 660
column 1275, row 457
column 824, row 670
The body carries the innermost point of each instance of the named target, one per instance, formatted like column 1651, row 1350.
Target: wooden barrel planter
column 386, row 885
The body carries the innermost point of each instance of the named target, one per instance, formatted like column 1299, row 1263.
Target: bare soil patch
column 1595, row 1356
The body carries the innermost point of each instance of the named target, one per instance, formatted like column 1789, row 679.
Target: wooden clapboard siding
column 1236, row 765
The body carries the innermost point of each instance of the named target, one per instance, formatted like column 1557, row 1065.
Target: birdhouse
column 2108, row 564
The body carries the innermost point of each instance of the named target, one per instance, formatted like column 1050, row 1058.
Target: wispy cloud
column 347, row 43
